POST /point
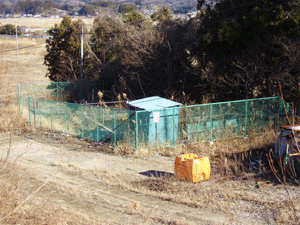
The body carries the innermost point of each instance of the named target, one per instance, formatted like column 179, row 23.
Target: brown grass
column 20, row 66
column 10, row 119
column 9, row 45
column 40, row 23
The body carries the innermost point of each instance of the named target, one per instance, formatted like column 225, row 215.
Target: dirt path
column 77, row 180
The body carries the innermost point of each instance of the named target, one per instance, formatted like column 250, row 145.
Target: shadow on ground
column 155, row 173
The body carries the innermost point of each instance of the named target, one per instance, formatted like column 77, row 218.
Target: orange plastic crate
column 192, row 168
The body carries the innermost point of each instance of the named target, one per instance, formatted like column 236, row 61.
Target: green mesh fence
column 62, row 91
column 101, row 124
column 207, row 122
column 167, row 127
column 217, row 121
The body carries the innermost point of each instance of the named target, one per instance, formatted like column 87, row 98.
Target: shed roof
column 153, row 103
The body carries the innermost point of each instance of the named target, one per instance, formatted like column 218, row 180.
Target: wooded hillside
column 235, row 49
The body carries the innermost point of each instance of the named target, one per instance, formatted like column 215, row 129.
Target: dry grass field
column 39, row 23
column 23, row 65
column 50, row 178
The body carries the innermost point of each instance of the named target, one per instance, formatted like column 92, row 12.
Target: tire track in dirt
column 94, row 197
column 98, row 199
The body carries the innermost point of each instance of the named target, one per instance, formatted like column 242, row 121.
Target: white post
column 81, row 53
column 16, row 36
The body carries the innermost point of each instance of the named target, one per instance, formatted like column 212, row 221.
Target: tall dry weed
column 286, row 169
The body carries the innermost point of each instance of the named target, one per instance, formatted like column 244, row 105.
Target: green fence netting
column 167, row 127
column 101, row 124
column 75, row 91
column 217, row 121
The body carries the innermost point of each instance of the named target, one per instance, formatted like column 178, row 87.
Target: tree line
column 234, row 49
column 37, row 6
column 28, row 7
column 90, row 8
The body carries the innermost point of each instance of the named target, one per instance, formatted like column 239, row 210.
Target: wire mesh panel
column 25, row 90
column 103, row 124
column 122, row 131
column 43, row 91
column 73, row 119
column 59, row 116
column 30, row 110
column 195, row 123
column 75, row 91
column 89, row 121
column 43, row 113
column 217, row 121
column 263, row 111
column 228, row 120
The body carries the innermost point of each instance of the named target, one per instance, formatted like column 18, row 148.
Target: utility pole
column 81, row 53
column 16, row 36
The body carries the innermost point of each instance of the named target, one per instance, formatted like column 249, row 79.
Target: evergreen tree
column 9, row 29
column 236, row 47
column 63, row 51
column 163, row 14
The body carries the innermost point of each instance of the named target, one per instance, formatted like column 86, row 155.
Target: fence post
column 246, row 116
column 29, row 109
column 103, row 115
column 34, row 111
column 136, row 132
column 40, row 112
column 56, row 91
column 33, row 93
column 115, row 125
column 156, row 132
column 211, row 122
column 280, row 106
column 97, row 123
column 128, row 116
column 51, row 114
column 65, row 104
column 174, row 137
column 82, row 121
column 19, row 101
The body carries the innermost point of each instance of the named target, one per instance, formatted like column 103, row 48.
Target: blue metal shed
column 156, row 120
